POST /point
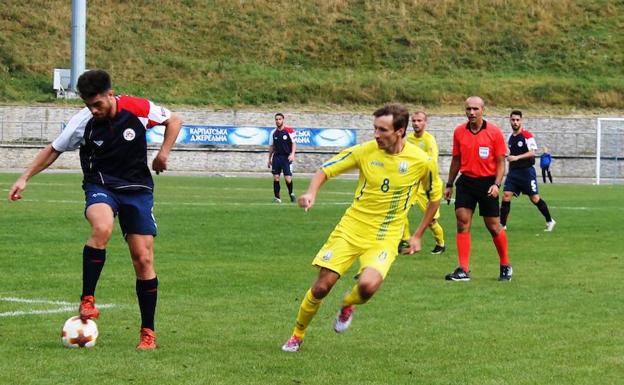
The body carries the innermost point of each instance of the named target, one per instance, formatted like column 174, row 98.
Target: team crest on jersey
column 520, row 144
column 403, row 167
column 129, row 134
column 327, row 256
column 382, row 256
column 285, row 137
column 484, row 152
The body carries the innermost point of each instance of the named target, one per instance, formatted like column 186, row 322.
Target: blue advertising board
column 256, row 136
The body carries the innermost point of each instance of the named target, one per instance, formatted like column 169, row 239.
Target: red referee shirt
column 478, row 151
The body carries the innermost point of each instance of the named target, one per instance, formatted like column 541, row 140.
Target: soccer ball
column 77, row 333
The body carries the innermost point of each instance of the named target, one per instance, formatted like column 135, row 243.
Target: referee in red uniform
column 479, row 155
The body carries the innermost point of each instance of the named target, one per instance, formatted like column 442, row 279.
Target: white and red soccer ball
column 78, row 333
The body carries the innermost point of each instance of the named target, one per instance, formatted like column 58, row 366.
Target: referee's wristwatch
column 497, row 185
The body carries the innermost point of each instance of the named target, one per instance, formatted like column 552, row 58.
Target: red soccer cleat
column 148, row 339
column 87, row 308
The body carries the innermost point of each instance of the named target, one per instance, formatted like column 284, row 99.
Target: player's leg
column 542, row 206
column 375, row 263
column 100, row 210
column 466, row 197
column 276, row 183
column 549, row 174
column 142, row 253
column 139, row 228
column 505, row 208
column 436, row 229
column 544, row 174
column 491, row 217
column 333, row 259
column 289, row 183
column 309, row 306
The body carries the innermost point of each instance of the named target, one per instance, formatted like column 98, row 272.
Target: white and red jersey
column 113, row 152
column 519, row 144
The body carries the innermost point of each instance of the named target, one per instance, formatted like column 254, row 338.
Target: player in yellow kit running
column 426, row 142
column 390, row 172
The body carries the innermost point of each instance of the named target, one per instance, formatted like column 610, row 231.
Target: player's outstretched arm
column 306, row 201
column 172, row 129
column 43, row 160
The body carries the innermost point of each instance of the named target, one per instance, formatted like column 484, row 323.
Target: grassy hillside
column 520, row 53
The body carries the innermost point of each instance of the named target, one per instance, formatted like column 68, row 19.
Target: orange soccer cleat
column 87, row 308
column 148, row 339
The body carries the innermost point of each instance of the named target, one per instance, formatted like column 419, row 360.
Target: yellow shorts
column 338, row 254
column 421, row 200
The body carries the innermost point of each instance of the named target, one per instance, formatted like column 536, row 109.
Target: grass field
column 233, row 268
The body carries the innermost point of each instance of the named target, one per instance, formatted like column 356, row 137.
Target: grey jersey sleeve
column 71, row 137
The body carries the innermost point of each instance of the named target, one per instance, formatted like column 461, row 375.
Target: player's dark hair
column 400, row 115
column 92, row 83
column 279, row 114
column 516, row 112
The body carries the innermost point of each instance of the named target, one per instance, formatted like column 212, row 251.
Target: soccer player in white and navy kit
column 521, row 178
column 282, row 148
column 110, row 132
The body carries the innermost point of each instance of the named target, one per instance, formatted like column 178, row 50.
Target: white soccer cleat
column 550, row 225
column 343, row 319
column 292, row 345
column 277, row 200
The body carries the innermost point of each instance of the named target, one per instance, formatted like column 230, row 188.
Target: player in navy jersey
column 521, row 178
column 110, row 132
column 282, row 148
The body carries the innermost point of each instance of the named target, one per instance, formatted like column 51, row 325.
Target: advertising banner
column 254, row 136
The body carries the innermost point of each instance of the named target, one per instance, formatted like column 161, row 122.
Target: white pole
column 598, row 146
column 78, row 41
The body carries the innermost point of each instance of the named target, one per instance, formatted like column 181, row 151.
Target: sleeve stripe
column 337, row 160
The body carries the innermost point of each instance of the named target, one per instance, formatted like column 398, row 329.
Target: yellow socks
column 353, row 298
column 307, row 310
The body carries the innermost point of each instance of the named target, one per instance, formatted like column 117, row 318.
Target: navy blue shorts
column 522, row 181
column 134, row 208
column 471, row 191
column 281, row 164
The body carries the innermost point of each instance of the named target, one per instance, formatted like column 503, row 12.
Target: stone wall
column 572, row 141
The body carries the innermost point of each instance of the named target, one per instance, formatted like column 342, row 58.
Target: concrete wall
column 572, row 141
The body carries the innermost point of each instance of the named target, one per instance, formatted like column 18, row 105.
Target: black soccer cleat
column 458, row 275
column 506, row 271
column 438, row 249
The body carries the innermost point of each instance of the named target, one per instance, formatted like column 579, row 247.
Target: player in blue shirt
column 545, row 161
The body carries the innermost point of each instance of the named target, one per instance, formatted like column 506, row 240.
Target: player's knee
column 142, row 259
column 368, row 289
column 321, row 289
column 101, row 233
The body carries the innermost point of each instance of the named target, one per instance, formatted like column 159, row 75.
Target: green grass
column 564, row 55
column 233, row 268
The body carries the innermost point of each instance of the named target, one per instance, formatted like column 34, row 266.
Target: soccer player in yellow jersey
column 425, row 141
column 390, row 172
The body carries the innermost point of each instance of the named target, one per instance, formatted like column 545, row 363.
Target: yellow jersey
column 426, row 142
column 385, row 191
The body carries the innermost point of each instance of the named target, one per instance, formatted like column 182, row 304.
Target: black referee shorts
column 470, row 191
